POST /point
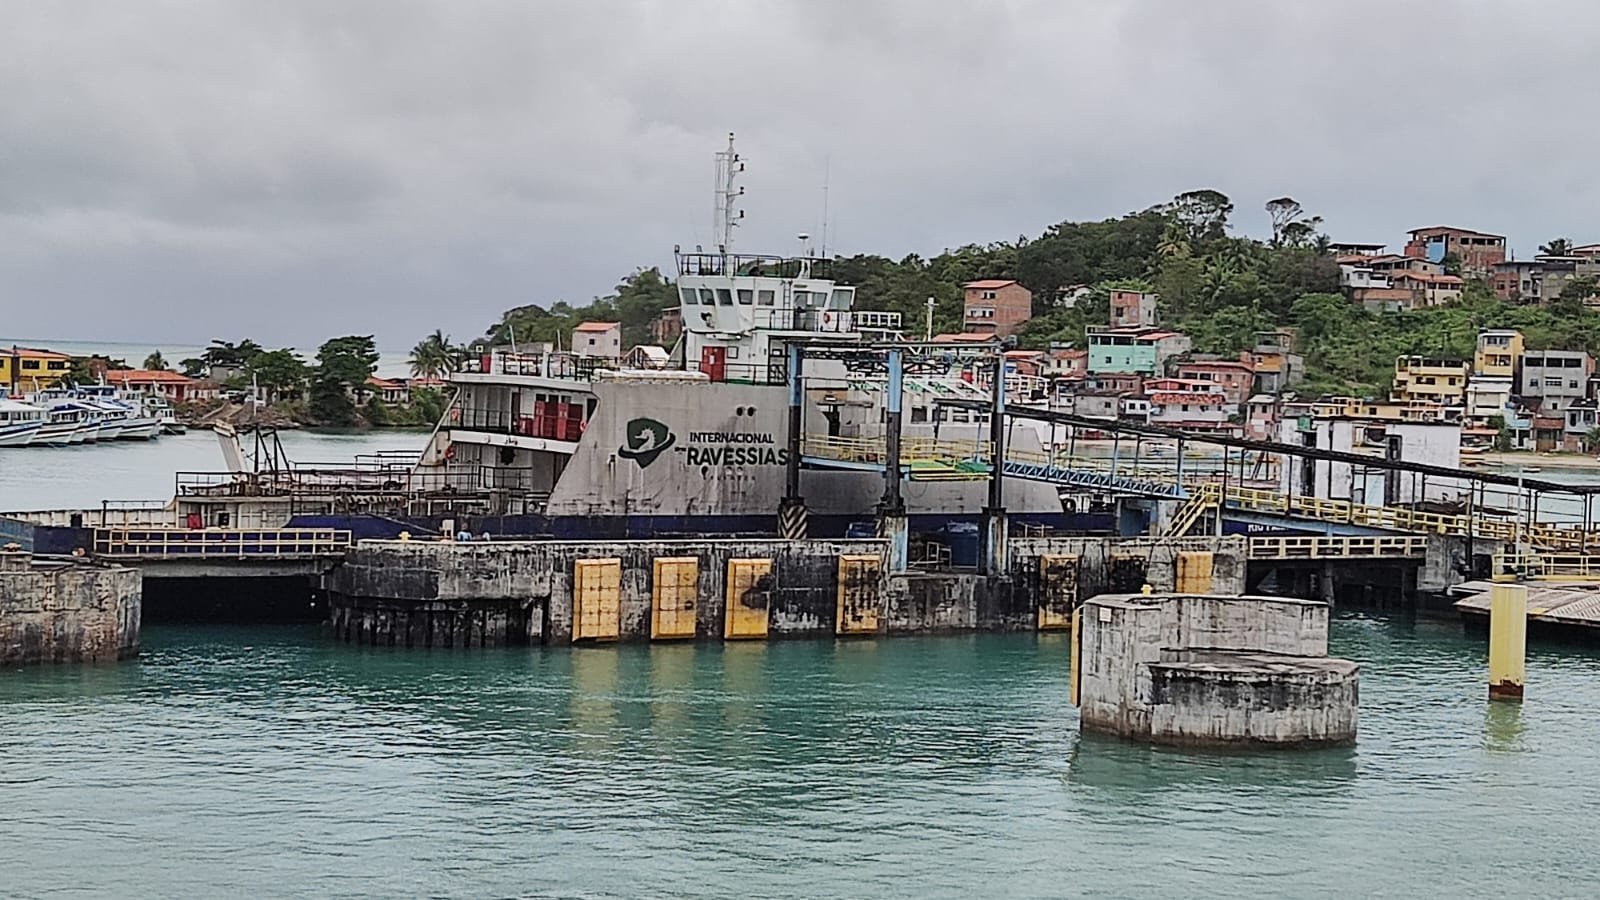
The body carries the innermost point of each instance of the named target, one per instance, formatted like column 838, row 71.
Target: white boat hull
column 58, row 434
column 139, row 429
column 18, row 434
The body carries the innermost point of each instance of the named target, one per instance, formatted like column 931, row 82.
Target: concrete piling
column 1508, row 639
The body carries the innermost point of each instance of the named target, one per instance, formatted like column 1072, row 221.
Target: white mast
column 729, row 167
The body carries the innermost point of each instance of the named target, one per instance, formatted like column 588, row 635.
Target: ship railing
column 548, row 425
column 220, row 543
column 569, row 366
column 748, row 373
column 744, row 265
column 298, row 482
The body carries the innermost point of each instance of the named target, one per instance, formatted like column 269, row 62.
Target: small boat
column 68, row 422
column 19, row 422
column 159, row 408
column 123, row 420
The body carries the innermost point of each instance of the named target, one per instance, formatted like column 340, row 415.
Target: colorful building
column 1479, row 252
column 1142, row 350
column 25, row 369
column 1423, row 379
column 995, row 306
column 1133, row 308
column 1236, row 376
column 174, row 386
column 1499, row 353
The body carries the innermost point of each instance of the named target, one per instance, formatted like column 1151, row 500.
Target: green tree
column 377, row 412
column 281, row 373
column 1556, row 247
column 433, row 356
column 193, row 367
column 155, row 362
column 343, row 365
column 427, row 405
column 229, row 354
column 1202, row 214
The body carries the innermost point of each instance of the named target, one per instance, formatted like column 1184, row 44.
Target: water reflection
column 1503, row 728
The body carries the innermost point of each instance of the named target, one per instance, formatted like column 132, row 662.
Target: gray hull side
column 723, row 456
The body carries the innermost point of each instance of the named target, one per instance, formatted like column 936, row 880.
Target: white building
column 1488, row 396
column 603, row 339
column 1428, row 443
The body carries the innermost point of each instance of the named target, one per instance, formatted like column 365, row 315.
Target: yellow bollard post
column 1508, row 638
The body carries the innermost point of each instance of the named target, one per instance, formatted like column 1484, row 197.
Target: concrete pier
column 66, row 611
column 1213, row 671
column 477, row 594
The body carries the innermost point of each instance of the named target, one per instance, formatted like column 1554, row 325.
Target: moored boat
column 19, row 422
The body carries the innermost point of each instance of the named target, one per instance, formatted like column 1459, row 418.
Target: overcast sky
column 178, row 171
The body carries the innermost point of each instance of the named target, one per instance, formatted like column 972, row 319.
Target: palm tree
column 155, row 362
column 1556, row 247
column 433, row 356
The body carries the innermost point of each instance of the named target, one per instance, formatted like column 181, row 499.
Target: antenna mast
column 729, row 166
column 827, row 166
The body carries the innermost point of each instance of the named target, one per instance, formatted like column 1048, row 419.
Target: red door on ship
column 714, row 362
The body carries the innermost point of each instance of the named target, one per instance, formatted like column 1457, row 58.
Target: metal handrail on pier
column 220, row 543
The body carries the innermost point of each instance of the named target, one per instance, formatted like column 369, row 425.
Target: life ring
column 455, row 414
column 450, row 453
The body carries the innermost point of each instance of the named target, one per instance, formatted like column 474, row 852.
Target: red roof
column 1216, row 364
column 146, row 376
column 990, row 283
column 42, row 354
column 961, row 337
column 386, row 384
column 597, row 326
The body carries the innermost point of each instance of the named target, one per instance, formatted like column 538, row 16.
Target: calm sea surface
column 271, row 762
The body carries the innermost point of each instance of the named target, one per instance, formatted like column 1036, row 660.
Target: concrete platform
column 1570, row 606
column 1214, row 671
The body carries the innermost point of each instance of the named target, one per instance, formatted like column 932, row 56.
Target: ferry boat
column 577, row 445
column 19, row 422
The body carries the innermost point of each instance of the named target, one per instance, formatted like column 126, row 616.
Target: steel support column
column 792, row 508
column 993, row 558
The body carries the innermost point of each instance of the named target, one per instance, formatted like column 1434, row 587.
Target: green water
column 268, row 762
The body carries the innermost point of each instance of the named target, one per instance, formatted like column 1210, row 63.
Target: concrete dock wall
column 66, row 612
column 1203, row 565
column 448, row 594
column 441, row 593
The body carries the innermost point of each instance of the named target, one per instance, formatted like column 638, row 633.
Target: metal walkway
column 925, row 459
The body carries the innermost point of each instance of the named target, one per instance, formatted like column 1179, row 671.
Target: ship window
column 746, row 297
column 841, row 299
column 707, row 298
column 733, row 352
column 725, row 296
column 802, row 299
column 688, row 296
column 765, row 298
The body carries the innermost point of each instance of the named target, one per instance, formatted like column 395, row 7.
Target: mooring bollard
column 1508, row 638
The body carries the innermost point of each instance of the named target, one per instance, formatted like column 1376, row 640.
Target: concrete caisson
column 1203, row 670
column 66, row 611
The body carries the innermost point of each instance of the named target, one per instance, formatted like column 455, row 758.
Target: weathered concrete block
column 64, row 612
column 1208, row 670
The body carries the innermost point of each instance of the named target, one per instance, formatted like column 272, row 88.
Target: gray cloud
column 182, row 170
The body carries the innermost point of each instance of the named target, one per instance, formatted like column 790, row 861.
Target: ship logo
column 647, row 440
